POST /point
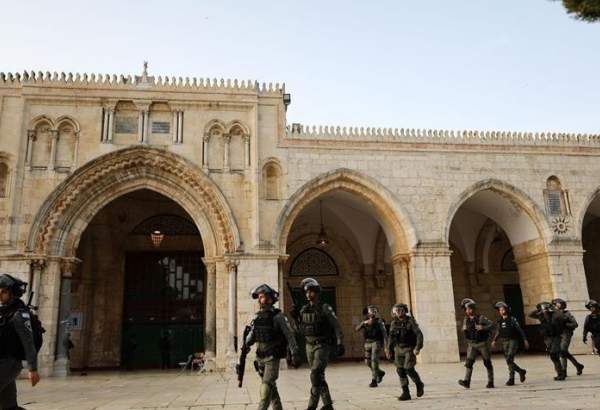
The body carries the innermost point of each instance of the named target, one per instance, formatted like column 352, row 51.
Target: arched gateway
column 153, row 175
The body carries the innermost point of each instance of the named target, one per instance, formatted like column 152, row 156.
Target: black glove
column 340, row 350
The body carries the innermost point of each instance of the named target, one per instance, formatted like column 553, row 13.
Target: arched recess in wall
column 237, row 133
column 214, row 132
column 272, row 180
column 589, row 229
column 66, row 143
column 42, row 130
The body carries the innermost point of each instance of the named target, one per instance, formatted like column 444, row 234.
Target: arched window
column 66, row 143
column 42, row 145
column 236, row 148
column 556, row 198
column 313, row 262
column 216, row 147
column 3, row 180
column 271, row 181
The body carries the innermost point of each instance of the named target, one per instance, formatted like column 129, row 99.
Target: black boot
column 465, row 383
column 373, row 383
column 522, row 374
column 510, row 382
column 420, row 389
column 490, row 384
column 405, row 394
column 380, row 376
column 327, row 407
column 561, row 376
column 579, row 368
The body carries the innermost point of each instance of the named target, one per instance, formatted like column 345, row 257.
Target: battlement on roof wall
column 143, row 81
column 406, row 135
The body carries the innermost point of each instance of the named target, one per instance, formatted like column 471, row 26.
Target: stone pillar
column 111, row 120
column 37, row 267
column 205, row 141
column 174, row 125
column 75, row 151
column 30, row 141
column 104, row 136
column 49, row 298
column 53, row 148
column 180, row 128
column 402, row 285
column 567, row 272
column 246, row 152
column 210, row 328
column 146, row 132
column 433, row 303
column 62, row 364
column 232, row 311
column 227, row 139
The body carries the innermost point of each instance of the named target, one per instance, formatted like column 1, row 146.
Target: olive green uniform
column 569, row 325
column 478, row 345
column 512, row 335
column 405, row 337
column 375, row 339
column 323, row 334
column 550, row 330
column 270, row 331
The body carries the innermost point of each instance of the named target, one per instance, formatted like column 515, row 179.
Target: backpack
column 37, row 329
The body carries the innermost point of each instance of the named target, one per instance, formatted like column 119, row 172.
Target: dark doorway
column 164, row 296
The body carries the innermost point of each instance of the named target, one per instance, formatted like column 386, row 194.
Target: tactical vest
column 507, row 328
column 264, row 326
column 402, row 334
column 594, row 324
column 474, row 335
column 10, row 343
column 314, row 323
column 546, row 328
column 373, row 331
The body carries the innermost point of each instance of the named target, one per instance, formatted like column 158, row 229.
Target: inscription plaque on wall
column 161, row 127
column 554, row 202
column 126, row 125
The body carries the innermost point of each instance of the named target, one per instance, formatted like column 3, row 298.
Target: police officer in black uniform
column 477, row 329
column 323, row 336
column 551, row 327
column 592, row 324
column 16, row 341
column 569, row 326
column 375, row 336
column 512, row 335
column 273, row 335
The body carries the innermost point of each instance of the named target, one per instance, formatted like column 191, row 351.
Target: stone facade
column 421, row 216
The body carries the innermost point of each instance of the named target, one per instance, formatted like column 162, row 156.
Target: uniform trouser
column 318, row 358
column 268, row 370
column 565, row 342
column 596, row 342
column 405, row 361
column 9, row 371
column 372, row 353
column 553, row 348
column 510, row 348
column 475, row 349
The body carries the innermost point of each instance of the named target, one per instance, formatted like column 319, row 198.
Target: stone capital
column 37, row 263
column 31, row 134
column 142, row 105
column 68, row 266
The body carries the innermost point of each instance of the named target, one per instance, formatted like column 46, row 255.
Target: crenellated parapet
column 113, row 81
column 411, row 135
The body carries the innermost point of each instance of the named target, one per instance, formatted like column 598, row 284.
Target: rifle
column 297, row 305
column 240, row 368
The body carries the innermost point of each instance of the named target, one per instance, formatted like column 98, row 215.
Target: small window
column 556, row 198
column 272, row 181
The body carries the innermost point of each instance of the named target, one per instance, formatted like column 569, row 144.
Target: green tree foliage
column 586, row 10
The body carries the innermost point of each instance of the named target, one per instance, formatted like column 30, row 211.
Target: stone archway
column 64, row 216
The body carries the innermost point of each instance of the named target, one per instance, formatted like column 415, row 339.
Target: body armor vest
column 264, row 326
column 401, row 333
column 594, row 324
column 507, row 328
column 314, row 323
column 10, row 343
column 474, row 335
column 373, row 331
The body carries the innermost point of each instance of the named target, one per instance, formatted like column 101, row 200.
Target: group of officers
column 275, row 338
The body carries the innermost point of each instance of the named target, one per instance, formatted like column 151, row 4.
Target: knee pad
column 487, row 363
column 469, row 363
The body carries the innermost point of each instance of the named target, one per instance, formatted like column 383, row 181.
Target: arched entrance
column 496, row 235
column 590, row 236
column 347, row 231
column 59, row 227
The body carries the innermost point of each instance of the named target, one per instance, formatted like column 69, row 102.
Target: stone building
column 140, row 206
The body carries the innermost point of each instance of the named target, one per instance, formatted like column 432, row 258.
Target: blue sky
column 463, row 64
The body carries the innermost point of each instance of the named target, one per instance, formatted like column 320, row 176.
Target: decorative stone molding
column 68, row 266
column 560, row 225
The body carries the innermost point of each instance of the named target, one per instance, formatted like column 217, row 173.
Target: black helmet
column 561, row 302
column 468, row 302
column 592, row 303
column 310, row 284
column 16, row 286
column 400, row 308
column 267, row 290
column 502, row 305
column 544, row 307
column 372, row 309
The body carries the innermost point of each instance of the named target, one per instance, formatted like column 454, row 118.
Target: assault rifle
column 240, row 368
column 296, row 304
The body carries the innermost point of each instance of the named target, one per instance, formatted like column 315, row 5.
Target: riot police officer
column 406, row 342
column 569, row 325
column 551, row 326
column 273, row 335
column 16, row 340
column 322, row 332
column 510, row 331
column 477, row 329
column 375, row 336
column 592, row 324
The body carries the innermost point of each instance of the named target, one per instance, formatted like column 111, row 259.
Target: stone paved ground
column 171, row 390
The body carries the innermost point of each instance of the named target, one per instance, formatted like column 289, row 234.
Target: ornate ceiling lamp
column 156, row 236
column 322, row 239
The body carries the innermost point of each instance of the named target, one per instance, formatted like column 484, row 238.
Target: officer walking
column 592, row 324
column 322, row 332
column 375, row 340
column 477, row 329
column 16, row 340
column 406, row 342
column 510, row 331
column 551, row 326
column 569, row 325
column 273, row 335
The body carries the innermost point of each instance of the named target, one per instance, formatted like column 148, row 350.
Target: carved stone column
column 210, row 328
column 141, row 126
column 111, row 126
column 30, row 140
column 146, row 130
column 205, row 141
column 62, row 364
column 246, row 152
column 104, row 136
column 232, row 311
column 53, row 148
column 227, row 139
column 37, row 267
column 75, row 151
